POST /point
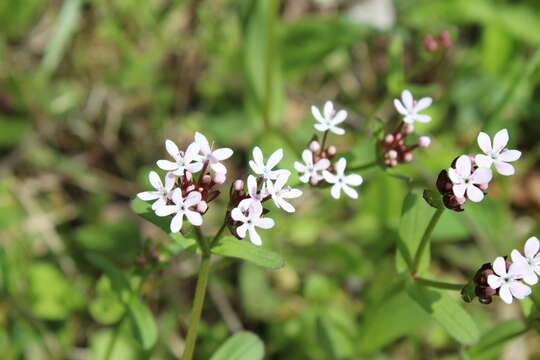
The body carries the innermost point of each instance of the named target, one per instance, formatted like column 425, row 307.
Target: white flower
column 162, row 192
column 254, row 193
column 496, row 154
column 260, row 168
column 329, row 118
column 180, row 208
column 249, row 213
column 342, row 181
column 213, row 157
column 309, row 170
column 188, row 161
column 280, row 193
column 508, row 283
column 530, row 262
column 409, row 107
column 465, row 181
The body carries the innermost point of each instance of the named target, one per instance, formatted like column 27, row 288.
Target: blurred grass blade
column 243, row 249
column 143, row 320
column 62, row 33
column 446, row 311
column 243, row 345
column 492, row 342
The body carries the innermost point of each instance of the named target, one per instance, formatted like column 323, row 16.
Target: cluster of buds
column 441, row 41
column 507, row 279
column 394, row 148
column 469, row 175
column 149, row 256
column 318, row 164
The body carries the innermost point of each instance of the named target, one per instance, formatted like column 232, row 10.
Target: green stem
column 269, row 70
column 198, row 303
column 440, row 284
column 425, row 239
column 218, row 235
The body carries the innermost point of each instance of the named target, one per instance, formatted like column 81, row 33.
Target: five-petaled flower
column 280, row 193
column 180, row 208
column 508, row 281
column 162, row 192
column 342, row 181
column 410, row 108
column 310, row 170
column 497, row 153
column 249, row 213
column 188, row 161
column 465, row 179
column 530, row 263
column 329, row 118
column 266, row 170
column 213, row 157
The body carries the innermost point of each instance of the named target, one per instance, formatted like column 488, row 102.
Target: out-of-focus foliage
column 90, row 90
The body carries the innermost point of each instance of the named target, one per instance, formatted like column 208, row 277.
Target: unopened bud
column 238, row 185
column 429, row 43
column 461, row 200
column 219, row 178
column 445, row 39
column 473, row 158
column 331, row 150
column 408, row 128
column 408, row 157
column 483, row 187
column 202, row 207
column 389, row 139
column 190, row 188
column 398, row 137
column 314, row 146
column 188, row 176
column 424, row 141
column 206, row 179
column 313, row 181
column 392, row 154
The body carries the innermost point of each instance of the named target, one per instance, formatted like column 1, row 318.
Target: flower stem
column 440, row 284
column 425, row 239
column 323, row 143
column 218, row 234
column 198, row 303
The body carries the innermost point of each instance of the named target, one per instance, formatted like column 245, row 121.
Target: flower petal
column 194, row 167
column 274, row 159
column 172, row 149
column 474, row 194
column 322, row 164
column 307, row 156
column 504, row 168
column 494, row 281
column 202, row 143
column 167, row 165
column 340, row 117
column 222, row 153
column 336, row 191
column 337, row 130
column 353, row 179
column 166, row 210
column 193, row 198
column 159, row 203
column 254, row 236
column 517, row 257
column 298, row 166
column 510, row 155
column 484, row 142
column 176, row 196
column 264, row 223
column 423, row 103
column 407, row 99
column 463, row 166
column 328, row 110
column 291, row 193
column 155, row 180
column 459, row 189
column 285, row 205
column 399, row 107
column 321, row 127
column 483, row 161
column 329, row 177
column 238, row 215
column 454, row 176
column 352, row 193
column 500, row 140
column 317, row 114
column 499, row 266
column 532, row 246
column 340, row 166
column 218, row 168
column 177, row 221
column 505, row 294
column 148, row 195
column 482, row 175
column 194, row 218
column 520, row 290
column 422, row 118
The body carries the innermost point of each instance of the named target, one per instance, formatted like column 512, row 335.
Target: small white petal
column 336, row 130
column 517, row 257
column 520, row 290
column 176, row 223
column 317, row 114
column 155, row 180
column 322, row 164
column 298, row 167
column 463, row 166
column 510, row 155
column 193, row 198
column 285, row 205
column 352, row 193
column 500, row 140
column 494, row 281
column 407, row 99
column 148, row 195
column 340, row 166
column 202, row 143
column 159, row 203
column 172, row 149
column 329, row 177
column 170, row 180
column 291, row 194
column 274, row 159
column 423, row 103
column 353, row 179
column 307, row 156
column 264, row 223
column 483, row 161
column 340, row 117
column 482, row 175
column 336, row 191
column 499, row 266
column 399, row 107
column 254, row 236
column 328, row 110
column 459, row 190
column 484, row 142
column 167, row 165
column 194, row 167
column 238, row 215
column 218, row 168
column 423, row 118
column 166, row 210
column 241, row 231
column 454, row 176
column 505, row 294
column 532, row 246
column 474, row 194
column 194, row 218
column 223, row 153
column 504, row 168
column 321, row 127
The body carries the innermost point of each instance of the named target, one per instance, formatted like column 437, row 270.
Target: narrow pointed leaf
column 243, row 249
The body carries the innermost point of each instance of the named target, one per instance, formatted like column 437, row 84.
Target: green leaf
column 143, row 320
column 243, row 345
column 335, row 336
column 415, row 217
column 492, row 342
column 144, row 210
column 446, row 311
column 397, row 316
column 242, row 249
column 433, row 198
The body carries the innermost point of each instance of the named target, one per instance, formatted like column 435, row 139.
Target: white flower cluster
column 269, row 183
column 180, row 195
column 510, row 279
column 472, row 173
column 317, row 165
column 410, row 108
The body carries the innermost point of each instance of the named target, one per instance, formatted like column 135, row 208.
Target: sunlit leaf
column 243, row 249
column 243, row 345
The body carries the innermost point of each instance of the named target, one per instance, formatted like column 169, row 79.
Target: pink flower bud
column 314, row 146
column 445, row 39
column 202, row 207
column 408, row 128
column 392, row 154
column 460, row 200
column 408, row 157
column 190, row 188
column 331, row 150
column 238, row 185
column 389, row 139
column 313, row 181
column 219, row 178
column 206, row 179
column 473, row 158
column 483, row 186
column 393, row 163
column 424, row 141
column 398, row 137
column 188, row 176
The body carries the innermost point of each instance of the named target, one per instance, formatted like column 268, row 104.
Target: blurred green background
column 90, row 90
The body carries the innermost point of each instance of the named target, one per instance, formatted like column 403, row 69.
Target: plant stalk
column 198, row 303
column 425, row 240
column 440, row 284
